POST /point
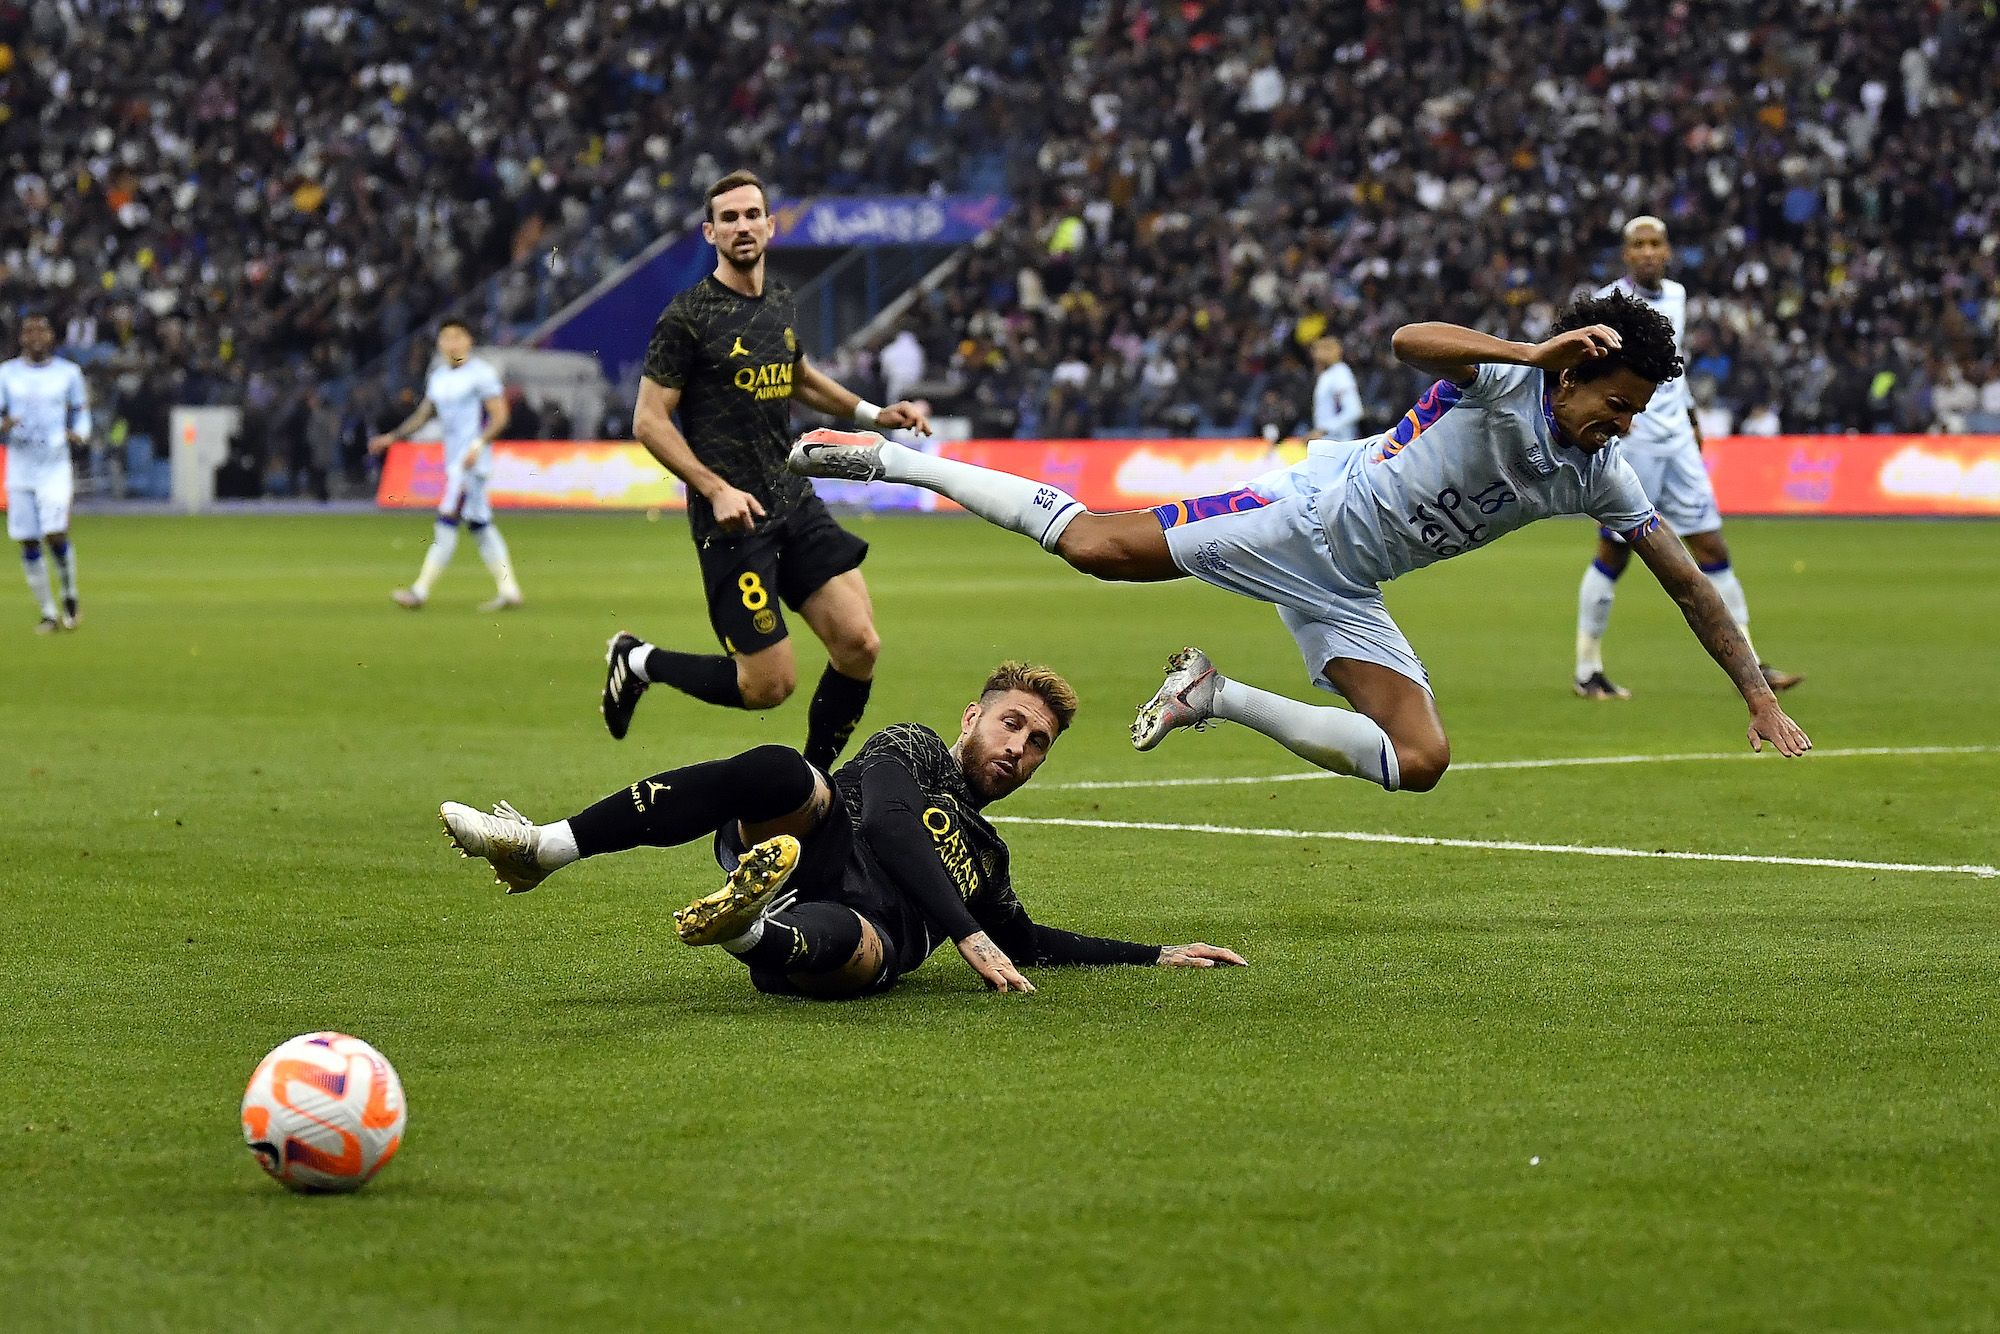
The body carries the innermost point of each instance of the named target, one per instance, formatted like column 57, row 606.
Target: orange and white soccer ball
column 324, row 1112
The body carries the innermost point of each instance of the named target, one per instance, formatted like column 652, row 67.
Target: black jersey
column 973, row 854
column 734, row 359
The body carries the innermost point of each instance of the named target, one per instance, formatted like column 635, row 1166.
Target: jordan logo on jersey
column 737, row 349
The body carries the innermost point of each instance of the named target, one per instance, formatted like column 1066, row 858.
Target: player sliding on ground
column 837, row 887
column 1510, row 433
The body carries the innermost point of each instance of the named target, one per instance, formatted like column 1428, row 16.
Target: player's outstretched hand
column 1576, row 347
column 1769, row 723
column 736, row 511
column 991, row 962
column 904, row 415
column 378, row 444
column 1199, row 955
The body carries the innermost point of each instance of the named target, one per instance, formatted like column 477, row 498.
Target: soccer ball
column 324, row 1112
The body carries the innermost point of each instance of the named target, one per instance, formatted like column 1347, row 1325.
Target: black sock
column 809, row 938
column 682, row 805
column 836, row 707
column 709, row 677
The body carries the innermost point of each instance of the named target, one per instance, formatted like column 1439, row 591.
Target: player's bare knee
column 855, row 652
column 1093, row 547
column 1422, row 766
column 766, row 689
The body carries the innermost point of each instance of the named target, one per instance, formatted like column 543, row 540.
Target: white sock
column 1020, row 504
column 493, row 550
column 1730, row 589
column 1593, row 614
column 37, row 571
column 746, row 942
column 65, row 561
column 444, row 541
column 636, row 660
column 555, row 845
column 1336, row 739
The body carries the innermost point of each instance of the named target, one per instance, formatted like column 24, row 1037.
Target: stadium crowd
column 1220, row 185
column 223, row 201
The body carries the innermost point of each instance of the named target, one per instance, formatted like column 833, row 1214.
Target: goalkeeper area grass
column 1486, row 1083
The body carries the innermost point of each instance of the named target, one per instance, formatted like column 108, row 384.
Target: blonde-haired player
column 1664, row 449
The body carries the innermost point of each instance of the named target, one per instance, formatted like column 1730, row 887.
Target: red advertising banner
column 1836, row 474
column 1856, row 474
column 538, row 474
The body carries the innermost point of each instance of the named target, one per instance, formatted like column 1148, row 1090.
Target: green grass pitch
column 1460, row 1089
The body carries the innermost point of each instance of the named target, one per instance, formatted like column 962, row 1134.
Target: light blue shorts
column 1676, row 481
column 465, row 499
column 1266, row 542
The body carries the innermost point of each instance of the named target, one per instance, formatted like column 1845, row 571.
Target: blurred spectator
column 902, row 364
column 1762, row 420
column 1336, row 394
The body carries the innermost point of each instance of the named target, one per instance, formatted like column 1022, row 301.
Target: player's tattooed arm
column 991, row 963
column 1199, row 955
column 1712, row 624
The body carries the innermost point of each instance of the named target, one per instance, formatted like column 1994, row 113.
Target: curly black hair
column 1646, row 336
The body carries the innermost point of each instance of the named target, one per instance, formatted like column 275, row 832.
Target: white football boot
column 851, row 456
column 505, row 838
column 1185, row 699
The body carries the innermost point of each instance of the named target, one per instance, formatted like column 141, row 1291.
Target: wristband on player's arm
column 866, row 413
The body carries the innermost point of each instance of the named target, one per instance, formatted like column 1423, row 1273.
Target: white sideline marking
column 1560, row 762
column 1493, row 845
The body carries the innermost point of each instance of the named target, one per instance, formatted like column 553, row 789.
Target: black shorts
column 832, row 869
column 787, row 559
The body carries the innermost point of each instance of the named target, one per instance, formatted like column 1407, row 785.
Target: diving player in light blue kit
column 1664, row 449
column 1510, row 433
column 44, row 411
column 466, row 397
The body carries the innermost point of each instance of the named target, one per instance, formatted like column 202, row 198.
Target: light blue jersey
column 47, row 402
column 1664, row 427
column 459, row 394
column 1463, row 468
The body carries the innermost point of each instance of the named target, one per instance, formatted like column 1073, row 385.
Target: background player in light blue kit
column 44, row 411
column 1510, row 433
column 1664, row 449
column 466, row 397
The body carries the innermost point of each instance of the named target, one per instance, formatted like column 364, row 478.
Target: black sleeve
column 670, row 354
column 1028, row 943
column 892, row 824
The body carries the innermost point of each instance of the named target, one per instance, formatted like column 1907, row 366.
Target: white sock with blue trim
column 1730, row 589
column 1593, row 616
column 37, row 571
column 493, row 550
column 1019, row 504
column 1338, row 739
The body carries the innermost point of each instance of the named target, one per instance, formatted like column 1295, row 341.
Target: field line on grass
column 1495, row 845
column 1557, row 762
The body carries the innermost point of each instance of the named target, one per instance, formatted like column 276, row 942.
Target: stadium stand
column 233, row 202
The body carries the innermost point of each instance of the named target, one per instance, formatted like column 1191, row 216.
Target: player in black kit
column 838, row 888
column 726, row 355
